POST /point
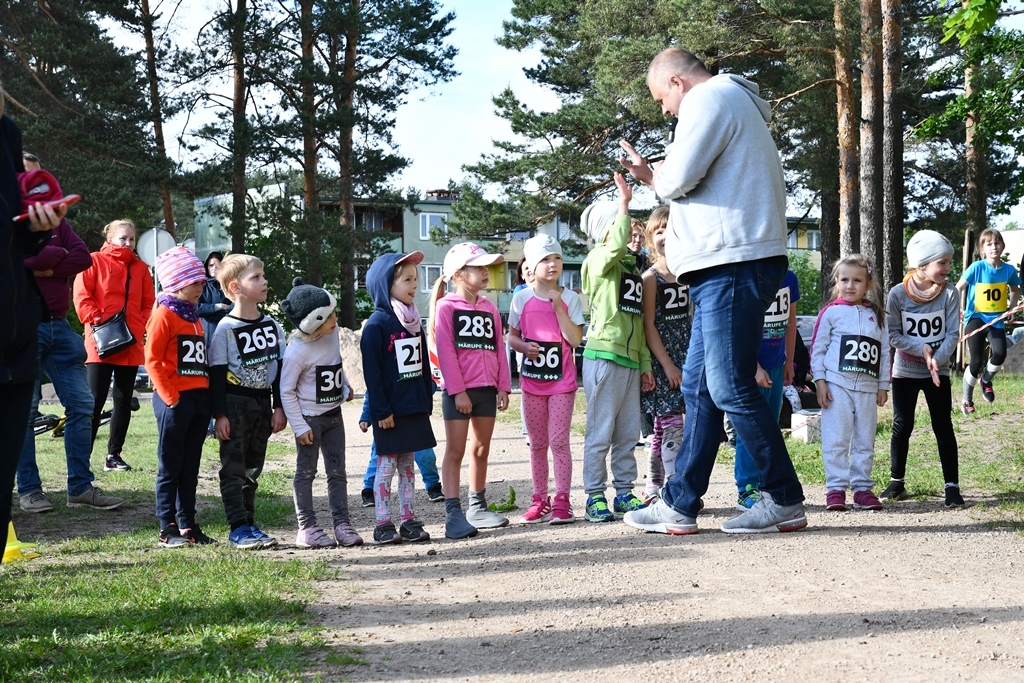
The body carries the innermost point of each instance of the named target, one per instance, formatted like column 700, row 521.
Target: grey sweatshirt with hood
column 723, row 179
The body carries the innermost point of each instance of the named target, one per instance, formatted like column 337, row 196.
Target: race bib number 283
column 475, row 330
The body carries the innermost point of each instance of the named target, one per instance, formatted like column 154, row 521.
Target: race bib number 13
column 631, row 291
column 475, row 330
column 860, row 354
column 409, row 354
column 257, row 343
column 191, row 355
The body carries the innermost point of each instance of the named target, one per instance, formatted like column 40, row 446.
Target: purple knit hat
column 178, row 268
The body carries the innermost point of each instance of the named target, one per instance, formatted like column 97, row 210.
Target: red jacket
column 99, row 294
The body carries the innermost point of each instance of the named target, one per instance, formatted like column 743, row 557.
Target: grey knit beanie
column 308, row 306
column 927, row 246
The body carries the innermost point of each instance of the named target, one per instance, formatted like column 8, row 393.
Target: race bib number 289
column 860, row 354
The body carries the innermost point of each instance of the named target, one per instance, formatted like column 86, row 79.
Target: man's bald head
column 675, row 62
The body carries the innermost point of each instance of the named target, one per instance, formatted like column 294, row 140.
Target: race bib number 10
column 990, row 297
column 674, row 301
column 547, row 366
column 475, row 330
column 330, row 383
column 191, row 355
column 860, row 354
column 257, row 343
column 631, row 291
column 409, row 354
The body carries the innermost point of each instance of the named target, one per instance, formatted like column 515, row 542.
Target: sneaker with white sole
column 114, row 463
column 314, row 537
column 561, row 510
column 347, row 535
column 539, row 510
column 244, row 539
column 659, row 518
column 767, row 517
column 171, row 537
column 266, row 540
column 36, row 502
column 93, row 498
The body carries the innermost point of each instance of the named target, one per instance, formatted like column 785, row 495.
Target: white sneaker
column 767, row 517
column 661, row 519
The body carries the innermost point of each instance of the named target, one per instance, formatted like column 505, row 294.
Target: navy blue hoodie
column 395, row 362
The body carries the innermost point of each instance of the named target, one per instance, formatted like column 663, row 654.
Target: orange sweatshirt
column 175, row 354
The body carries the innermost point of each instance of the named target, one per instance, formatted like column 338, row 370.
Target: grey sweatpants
column 613, row 425
column 328, row 437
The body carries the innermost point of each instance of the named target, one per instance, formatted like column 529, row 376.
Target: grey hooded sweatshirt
column 723, row 179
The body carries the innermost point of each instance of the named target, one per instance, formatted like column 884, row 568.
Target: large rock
column 348, row 342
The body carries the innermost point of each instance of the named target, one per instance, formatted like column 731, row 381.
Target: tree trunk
column 871, row 133
column 830, row 207
column 157, row 113
column 892, row 141
column 849, row 229
column 307, row 115
column 346, row 101
column 239, row 128
column 977, row 209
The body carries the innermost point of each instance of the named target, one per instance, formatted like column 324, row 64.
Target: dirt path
column 915, row 592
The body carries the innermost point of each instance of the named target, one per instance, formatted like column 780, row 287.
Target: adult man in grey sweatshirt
column 724, row 184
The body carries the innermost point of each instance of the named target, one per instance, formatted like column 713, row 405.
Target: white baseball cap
column 467, row 254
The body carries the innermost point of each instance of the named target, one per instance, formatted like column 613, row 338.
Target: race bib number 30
column 860, row 354
column 257, row 343
column 547, row 366
column 330, row 383
column 928, row 327
column 631, row 290
column 990, row 297
column 409, row 354
column 674, row 301
column 191, row 355
column 475, row 330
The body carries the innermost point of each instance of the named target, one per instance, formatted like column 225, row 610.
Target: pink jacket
column 470, row 345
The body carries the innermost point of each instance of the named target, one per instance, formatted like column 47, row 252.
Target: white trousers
column 848, row 439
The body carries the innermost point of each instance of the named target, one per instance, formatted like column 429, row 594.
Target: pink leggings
column 547, row 422
column 386, row 466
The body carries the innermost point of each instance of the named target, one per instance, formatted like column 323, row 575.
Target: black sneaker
column 412, row 531
column 195, row 536
column 171, row 537
column 367, row 498
column 114, row 463
column 386, row 533
column 953, row 497
column 435, row 493
column 894, row 491
column 987, row 392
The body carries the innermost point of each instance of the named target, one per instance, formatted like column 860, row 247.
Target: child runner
column 245, row 390
column 666, row 306
column 466, row 329
column 850, row 362
column 545, row 325
column 992, row 289
column 774, row 370
column 395, row 365
column 618, row 363
column 313, row 387
column 924, row 319
column 176, row 363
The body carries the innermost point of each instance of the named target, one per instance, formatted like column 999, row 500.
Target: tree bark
column 892, row 141
column 871, row 133
column 239, row 127
column 307, row 115
column 157, row 113
column 974, row 153
column 849, row 228
column 346, row 100
column 830, row 207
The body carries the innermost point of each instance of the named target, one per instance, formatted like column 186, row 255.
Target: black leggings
column 976, row 345
column 124, row 387
column 15, row 401
column 940, row 406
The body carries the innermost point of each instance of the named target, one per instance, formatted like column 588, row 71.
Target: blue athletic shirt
column 776, row 319
column 988, row 290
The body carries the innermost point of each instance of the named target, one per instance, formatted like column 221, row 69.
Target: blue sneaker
column 244, row 538
column 746, row 499
column 626, row 502
column 266, row 539
column 597, row 509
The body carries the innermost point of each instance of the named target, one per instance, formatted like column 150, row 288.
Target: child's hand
column 502, row 400
column 931, row 363
column 555, row 297
column 222, row 428
column 306, row 439
column 883, row 396
column 675, row 376
column 387, row 423
column 625, row 193
column 647, row 381
column 824, row 395
column 278, row 420
column 351, row 394
column 463, row 404
column 787, row 374
column 363, row 426
column 532, row 350
column 762, row 378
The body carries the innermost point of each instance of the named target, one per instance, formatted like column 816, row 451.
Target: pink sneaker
column 347, row 535
column 539, row 510
column 314, row 537
column 866, row 500
column 561, row 510
column 835, row 500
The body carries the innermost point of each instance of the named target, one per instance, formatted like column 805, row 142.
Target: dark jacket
column 390, row 395
column 67, row 256
column 209, row 307
column 21, row 306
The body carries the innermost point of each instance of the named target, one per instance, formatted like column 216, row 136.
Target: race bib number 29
column 860, row 354
column 631, row 293
column 474, row 330
column 191, row 355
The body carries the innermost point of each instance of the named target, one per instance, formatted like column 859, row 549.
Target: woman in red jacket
column 100, row 293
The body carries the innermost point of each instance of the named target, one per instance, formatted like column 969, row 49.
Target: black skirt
column 411, row 433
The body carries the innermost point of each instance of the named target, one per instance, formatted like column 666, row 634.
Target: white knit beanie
column 927, row 246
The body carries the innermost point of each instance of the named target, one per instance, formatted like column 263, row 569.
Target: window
column 813, row 239
column 431, row 220
column 370, row 221
column 570, row 279
column 793, row 239
column 428, row 276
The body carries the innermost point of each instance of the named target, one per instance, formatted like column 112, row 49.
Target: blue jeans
column 718, row 376
column 425, row 460
column 62, row 356
column 744, row 468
